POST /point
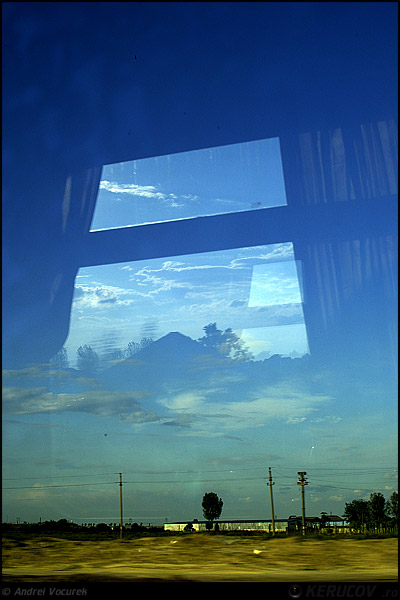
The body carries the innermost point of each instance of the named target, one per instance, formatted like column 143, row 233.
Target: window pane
column 247, row 289
column 212, row 181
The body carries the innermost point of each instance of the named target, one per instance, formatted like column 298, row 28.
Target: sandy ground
column 201, row 557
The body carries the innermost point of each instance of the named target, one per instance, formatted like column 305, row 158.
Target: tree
column 392, row 508
column 377, row 509
column 357, row 513
column 103, row 527
column 134, row 347
column 88, row 359
column 225, row 342
column 60, row 360
column 212, row 506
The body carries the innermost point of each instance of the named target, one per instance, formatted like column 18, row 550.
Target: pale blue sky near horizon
column 178, row 437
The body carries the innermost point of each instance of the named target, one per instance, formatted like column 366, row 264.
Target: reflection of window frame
column 258, row 227
column 318, row 223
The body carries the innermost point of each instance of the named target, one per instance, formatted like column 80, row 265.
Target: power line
column 59, row 476
column 139, row 472
column 173, row 481
column 41, row 487
column 345, row 471
column 186, row 480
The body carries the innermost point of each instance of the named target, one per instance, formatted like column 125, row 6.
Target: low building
column 281, row 525
column 334, row 524
column 325, row 524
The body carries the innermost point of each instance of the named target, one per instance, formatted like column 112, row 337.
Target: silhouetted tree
column 225, row 342
column 392, row 508
column 103, row 527
column 357, row 513
column 377, row 509
column 112, row 356
column 88, row 359
column 134, row 347
column 60, row 360
column 212, row 506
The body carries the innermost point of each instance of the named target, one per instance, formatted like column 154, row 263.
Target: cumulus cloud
column 276, row 403
column 185, row 401
column 100, row 296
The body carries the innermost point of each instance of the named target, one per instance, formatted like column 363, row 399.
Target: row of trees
column 375, row 513
column 363, row 515
column 87, row 359
column 63, row 525
column 226, row 342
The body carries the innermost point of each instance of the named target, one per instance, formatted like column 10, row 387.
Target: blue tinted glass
column 198, row 371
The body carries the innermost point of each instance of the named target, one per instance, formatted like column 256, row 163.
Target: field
column 201, row 557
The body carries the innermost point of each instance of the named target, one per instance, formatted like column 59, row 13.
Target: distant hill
column 174, row 347
column 173, row 358
column 176, row 363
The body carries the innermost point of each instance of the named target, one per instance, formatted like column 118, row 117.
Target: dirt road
column 201, row 557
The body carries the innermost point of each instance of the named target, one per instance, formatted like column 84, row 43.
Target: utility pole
column 271, row 483
column 302, row 481
column 120, row 507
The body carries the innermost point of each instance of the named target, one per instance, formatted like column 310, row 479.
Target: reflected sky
column 212, row 181
column 180, row 409
column 243, row 289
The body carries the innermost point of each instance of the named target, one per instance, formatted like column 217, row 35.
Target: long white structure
column 282, row 525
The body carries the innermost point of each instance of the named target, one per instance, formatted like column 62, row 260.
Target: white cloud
column 100, row 296
column 279, row 403
column 274, row 283
column 327, row 419
column 152, row 285
column 282, row 252
column 146, row 191
column 184, row 401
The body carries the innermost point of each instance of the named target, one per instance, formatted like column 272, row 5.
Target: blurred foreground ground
column 201, row 557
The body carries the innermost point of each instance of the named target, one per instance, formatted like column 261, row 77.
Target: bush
column 102, row 527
